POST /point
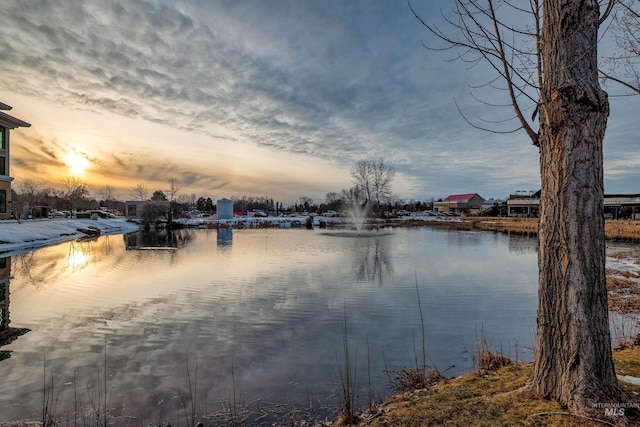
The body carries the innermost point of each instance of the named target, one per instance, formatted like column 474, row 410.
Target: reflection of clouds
column 274, row 306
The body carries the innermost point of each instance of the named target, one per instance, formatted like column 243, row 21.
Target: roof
column 9, row 121
column 461, row 197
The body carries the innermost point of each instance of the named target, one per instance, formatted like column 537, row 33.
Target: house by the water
column 7, row 123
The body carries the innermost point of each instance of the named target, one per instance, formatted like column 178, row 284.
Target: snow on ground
column 18, row 237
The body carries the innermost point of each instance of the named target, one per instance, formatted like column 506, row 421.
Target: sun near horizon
column 76, row 163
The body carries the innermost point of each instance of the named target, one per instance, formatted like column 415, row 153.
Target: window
column 3, row 144
column 3, row 201
column 3, row 165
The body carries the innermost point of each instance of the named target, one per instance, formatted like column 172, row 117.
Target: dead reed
column 487, row 358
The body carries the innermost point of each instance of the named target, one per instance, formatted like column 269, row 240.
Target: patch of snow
column 629, row 379
column 16, row 237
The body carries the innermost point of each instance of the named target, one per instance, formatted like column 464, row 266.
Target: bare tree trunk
column 573, row 361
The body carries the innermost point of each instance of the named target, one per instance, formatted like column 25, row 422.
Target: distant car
column 330, row 213
column 57, row 214
column 90, row 213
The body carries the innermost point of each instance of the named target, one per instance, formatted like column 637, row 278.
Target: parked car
column 58, row 214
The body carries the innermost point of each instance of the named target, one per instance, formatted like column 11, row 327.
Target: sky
column 261, row 98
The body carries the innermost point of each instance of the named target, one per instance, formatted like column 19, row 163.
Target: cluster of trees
column 71, row 194
column 372, row 181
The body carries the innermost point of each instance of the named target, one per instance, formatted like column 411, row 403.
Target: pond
column 252, row 324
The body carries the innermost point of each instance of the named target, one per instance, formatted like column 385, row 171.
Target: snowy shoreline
column 32, row 234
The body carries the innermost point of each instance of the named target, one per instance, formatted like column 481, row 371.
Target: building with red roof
column 469, row 204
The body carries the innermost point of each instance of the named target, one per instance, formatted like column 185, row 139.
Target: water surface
column 252, row 318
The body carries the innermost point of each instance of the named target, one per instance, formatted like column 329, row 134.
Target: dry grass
column 492, row 361
column 624, row 291
column 622, row 229
column 614, row 229
column 409, row 379
column 501, row 224
column 484, row 398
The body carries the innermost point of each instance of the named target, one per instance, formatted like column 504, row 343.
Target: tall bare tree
column 374, row 179
column 361, row 174
column 29, row 188
column 557, row 75
column 174, row 187
column 106, row 192
column 139, row 192
column 623, row 66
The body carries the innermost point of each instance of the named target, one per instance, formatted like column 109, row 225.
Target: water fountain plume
column 358, row 212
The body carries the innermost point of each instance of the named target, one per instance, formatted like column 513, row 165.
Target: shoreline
column 620, row 229
column 392, row 408
column 18, row 237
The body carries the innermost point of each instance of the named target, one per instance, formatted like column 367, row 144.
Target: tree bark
column 572, row 362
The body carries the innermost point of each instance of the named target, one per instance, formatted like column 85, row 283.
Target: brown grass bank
column 484, row 398
column 614, row 229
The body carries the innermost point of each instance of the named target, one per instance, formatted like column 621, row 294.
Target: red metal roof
column 459, row 197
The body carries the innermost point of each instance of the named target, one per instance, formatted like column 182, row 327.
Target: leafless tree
column 353, row 196
column 106, row 192
column 305, row 202
column 74, row 190
column 623, row 66
column 29, row 188
column 174, row 188
column 555, row 76
column 139, row 192
column 361, row 174
column 374, row 178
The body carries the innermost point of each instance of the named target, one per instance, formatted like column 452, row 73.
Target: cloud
column 331, row 81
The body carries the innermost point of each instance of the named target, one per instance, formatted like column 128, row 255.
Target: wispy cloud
column 333, row 81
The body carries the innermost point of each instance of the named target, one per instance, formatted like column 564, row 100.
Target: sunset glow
column 227, row 98
column 76, row 163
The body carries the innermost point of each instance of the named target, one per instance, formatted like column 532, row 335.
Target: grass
column 614, row 229
column 347, row 380
column 490, row 398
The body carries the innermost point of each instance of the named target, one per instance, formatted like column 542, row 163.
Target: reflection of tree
column 374, row 265
column 7, row 334
column 158, row 239
column 523, row 244
column 81, row 253
column 26, row 263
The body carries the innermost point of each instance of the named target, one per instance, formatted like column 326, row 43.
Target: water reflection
column 224, row 236
column 7, row 333
column 5, row 275
column 374, row 264
column 521, row 243
column 273, row 308
column 162, row 239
